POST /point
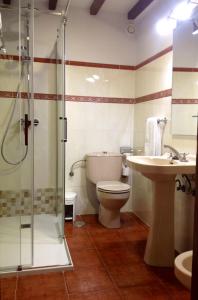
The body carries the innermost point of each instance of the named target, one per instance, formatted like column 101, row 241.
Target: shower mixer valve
column 26, row 123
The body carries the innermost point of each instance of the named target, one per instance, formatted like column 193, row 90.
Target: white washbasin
column 160, row 165
column 183, row 268
column 162, row 171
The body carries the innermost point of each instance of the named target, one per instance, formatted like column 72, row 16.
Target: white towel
column 153, row 138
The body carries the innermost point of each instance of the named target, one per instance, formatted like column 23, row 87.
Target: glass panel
column 61, row 128
column 49, row 157
column 27, row 131
column 15, row 157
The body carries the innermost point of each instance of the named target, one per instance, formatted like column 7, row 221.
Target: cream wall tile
column 94, row 127
column 10, row 74
column 45, row 78
column 111, row 82
column 160, row 108
column 185, row 85
column 155, row 76
column 45, row 144
column 184, row 112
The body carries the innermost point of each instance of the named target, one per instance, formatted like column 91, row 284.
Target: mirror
column 185, row 80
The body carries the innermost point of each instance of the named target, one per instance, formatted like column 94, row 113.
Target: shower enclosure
column 32, row 142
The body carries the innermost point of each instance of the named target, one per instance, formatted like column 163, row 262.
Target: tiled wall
column 16, row 203
column 99, row 118
column 97, row 126
column 155, row 79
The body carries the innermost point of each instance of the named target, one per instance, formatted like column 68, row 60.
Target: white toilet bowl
column 112, row 196
column 183, row 268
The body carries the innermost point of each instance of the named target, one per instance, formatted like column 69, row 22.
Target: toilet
column 103, row 169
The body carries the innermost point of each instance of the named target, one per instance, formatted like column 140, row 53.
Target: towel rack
column 162, row 120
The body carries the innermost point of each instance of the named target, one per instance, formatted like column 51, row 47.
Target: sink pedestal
column 160, row 244
column 162, row 172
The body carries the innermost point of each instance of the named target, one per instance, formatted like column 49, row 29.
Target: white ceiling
column 115, row 6
column 111, row 6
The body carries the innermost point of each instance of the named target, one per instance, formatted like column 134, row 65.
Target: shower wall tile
column 94, row 127
column 110, row 82
column 16, row 203
column 185, row 85
column 155, row 76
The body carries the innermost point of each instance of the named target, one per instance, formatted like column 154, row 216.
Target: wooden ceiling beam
column 6, row 1
column 52, row 4
column 138, row 9
column 95, row 7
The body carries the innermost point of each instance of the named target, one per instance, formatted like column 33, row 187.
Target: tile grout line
column 65, row 284
column 105, row 267
column 16, row 286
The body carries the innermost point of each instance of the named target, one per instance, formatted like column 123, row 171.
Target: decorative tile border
column 92, row 64
column 37, row 96
column 73, row 98
column 184, row 101
column 99, row 65
column 100, row 99
column 9, row 57
column 154, row 96
column 15, row 203
column 154, row 57
column 91, row 99
column 36, row 59
column 183, row 69
column 71, row 62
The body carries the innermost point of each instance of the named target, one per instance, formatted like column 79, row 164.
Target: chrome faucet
column 177, row 155
column 175, row 152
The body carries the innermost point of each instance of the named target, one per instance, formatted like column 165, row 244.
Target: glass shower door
column 16, row 142
column 27, row 133
column 61, row 127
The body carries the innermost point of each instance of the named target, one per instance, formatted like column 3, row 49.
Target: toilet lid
column 115, row 187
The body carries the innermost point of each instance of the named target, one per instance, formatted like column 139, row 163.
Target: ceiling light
column 166, row 26
column 183, row 10
column 195, row 28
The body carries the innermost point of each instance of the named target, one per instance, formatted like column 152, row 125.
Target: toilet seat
column 113, row 187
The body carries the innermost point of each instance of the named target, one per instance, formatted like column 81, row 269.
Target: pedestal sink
column 162, row 171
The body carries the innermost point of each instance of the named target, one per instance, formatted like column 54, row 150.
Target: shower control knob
column 36, row 122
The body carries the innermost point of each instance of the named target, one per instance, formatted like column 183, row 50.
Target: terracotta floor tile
column 85, row 258
column 97, row 229
column 103, row 258
column 128, row 221
column 144, row 293
column 90, row 219
column 131, row 235
column 167, row 278
column 51, row 294
column 102, row 295
column 8, row 288
column 118, row 256
column 137, row 247
column 71, row 230
column 108, row 240
column 87, row 279
column 132, row 275
column 79, row 242
column 39, row 285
